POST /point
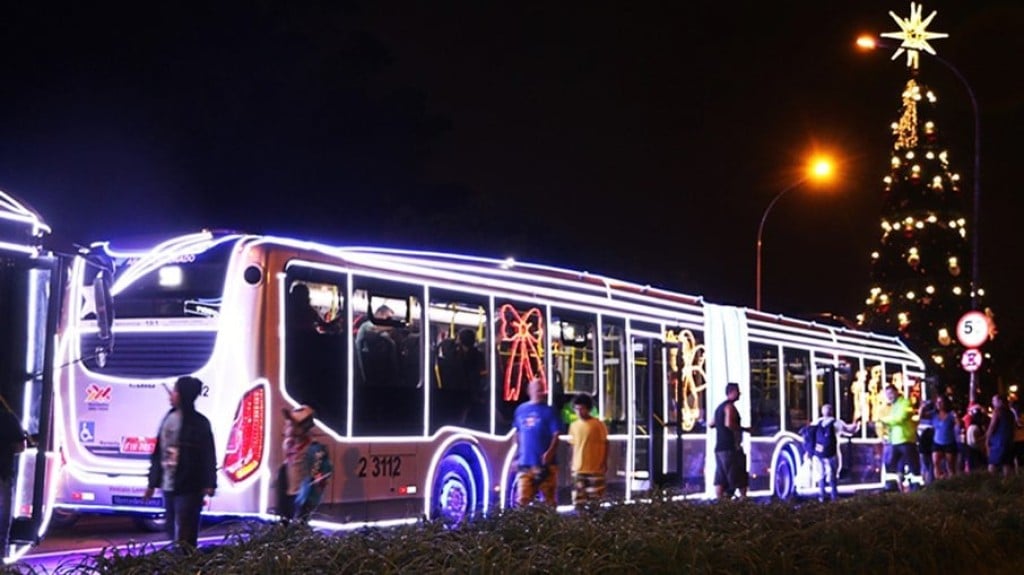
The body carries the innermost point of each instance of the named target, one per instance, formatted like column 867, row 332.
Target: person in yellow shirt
column 902, row 436
column 589, row 438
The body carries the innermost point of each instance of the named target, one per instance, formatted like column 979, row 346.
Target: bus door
column 645, row 432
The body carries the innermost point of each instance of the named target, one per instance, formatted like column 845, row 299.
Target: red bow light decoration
column 522, row 336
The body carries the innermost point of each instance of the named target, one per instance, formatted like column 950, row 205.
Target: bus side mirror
column 104, row 317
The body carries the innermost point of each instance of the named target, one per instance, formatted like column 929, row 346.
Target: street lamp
column 819, row 169
column 871, row 43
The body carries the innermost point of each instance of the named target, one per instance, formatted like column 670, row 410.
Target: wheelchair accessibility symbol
column 87, row 432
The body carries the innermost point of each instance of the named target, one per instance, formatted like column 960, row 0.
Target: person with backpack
column 824, row 438
column 307, row 466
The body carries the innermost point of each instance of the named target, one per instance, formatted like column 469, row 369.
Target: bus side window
column 315, row 357
column 387, row 394
column 459, row 374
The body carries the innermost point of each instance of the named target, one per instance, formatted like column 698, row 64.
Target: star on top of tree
column 914, row 34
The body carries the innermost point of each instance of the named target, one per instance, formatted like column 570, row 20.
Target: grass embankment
column 966, row 524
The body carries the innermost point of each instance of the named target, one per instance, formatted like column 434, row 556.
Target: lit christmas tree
column 920, row 275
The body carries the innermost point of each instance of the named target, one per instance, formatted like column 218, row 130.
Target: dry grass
column 967, row 524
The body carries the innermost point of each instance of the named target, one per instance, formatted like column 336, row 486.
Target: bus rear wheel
column 151, row 523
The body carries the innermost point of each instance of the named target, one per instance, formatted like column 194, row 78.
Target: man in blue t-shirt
column 537, row 428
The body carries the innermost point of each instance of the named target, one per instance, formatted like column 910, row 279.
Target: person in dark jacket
column 183, row 464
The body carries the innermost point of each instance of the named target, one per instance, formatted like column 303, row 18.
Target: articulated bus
column 414, row 429
column 32, row 283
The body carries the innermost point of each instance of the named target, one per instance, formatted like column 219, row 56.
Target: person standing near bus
column 183, row 464
column 730, row 461
column 589, row 438
column 999, row 437
column 826, row 448
column 537, row 427
column 306, row 467
column 902, row 438
column 12, row 442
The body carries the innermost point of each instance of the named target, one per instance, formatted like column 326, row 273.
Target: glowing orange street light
column 820, row 169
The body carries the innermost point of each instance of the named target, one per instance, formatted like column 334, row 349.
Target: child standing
column 306, row 466
column 589, row 438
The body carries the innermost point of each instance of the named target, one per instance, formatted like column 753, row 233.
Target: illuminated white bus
column 411, row 430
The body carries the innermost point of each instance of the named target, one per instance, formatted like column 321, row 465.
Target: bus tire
column 63, row 518
column 150, row 523
column 456, row 493
column 512, row 493
column 784, row 478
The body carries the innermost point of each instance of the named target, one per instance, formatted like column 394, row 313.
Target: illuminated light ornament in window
column 954, row 266
column 915, row 171
column 686, row 358
column 981, row 291
column 944, row 338
column 521, row 337
column 938, row 359
column 896, row 162
column 887, row 226
column 874, row 255
column 937, row 183
column 952, row 223
column 962, row 221
column 919, row 225
column 955, row 177
column 884, row 298
column 911, row 295
column 910, row 154
column 170, row 276
column 860, row 318
column 914, row 34
column 930, row 290
column 914, row 259
column 904, row 319
column 887, row 180
column 929, row 128
column 932, row 219
column 957, row 290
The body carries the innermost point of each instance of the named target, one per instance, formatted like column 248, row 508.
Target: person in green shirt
column 902, row 437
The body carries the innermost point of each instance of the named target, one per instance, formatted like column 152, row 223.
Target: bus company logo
column 138, row 445
column 98, row 396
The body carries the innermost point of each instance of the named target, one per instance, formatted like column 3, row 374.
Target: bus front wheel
column 784, row 477
column 455, row 490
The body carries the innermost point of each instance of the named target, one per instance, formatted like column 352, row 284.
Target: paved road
column 91, row 535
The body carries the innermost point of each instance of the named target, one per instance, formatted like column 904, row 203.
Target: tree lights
column 916, row 271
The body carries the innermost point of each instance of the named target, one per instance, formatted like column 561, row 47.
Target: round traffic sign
column 971, row 359
column 972, row 329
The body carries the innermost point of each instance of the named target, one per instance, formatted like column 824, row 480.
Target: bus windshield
column 186, row 284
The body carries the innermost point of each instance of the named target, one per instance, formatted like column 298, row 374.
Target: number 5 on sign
column 972, row 329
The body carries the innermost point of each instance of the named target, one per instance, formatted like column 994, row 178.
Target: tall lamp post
column 871, row 43
column 820, row 169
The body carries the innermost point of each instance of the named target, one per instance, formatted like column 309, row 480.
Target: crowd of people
column 979, row 440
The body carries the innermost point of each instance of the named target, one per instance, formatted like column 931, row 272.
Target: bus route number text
column 380, row 466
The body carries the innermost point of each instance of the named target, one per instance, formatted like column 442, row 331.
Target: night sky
column 641, row 140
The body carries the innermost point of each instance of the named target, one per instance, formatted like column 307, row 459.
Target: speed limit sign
column 971, row 360
column 972, row 329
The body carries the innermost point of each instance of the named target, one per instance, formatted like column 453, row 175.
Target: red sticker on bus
column 143, row 445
